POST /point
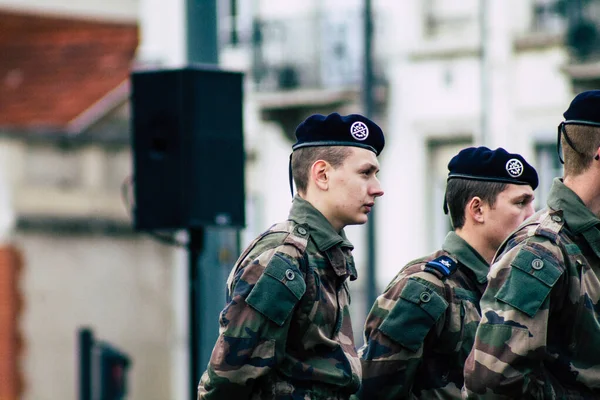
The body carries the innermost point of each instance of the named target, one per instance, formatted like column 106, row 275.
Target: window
column 255, row 223
column 50, row 165
column 450, row 17
column 117, row 168
column 553, row 16
column 548, row 167
column 235, row 22
column 549, row 16
column 440, row 154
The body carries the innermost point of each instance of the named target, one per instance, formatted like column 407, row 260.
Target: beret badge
column 359, row 130
column 514, row 167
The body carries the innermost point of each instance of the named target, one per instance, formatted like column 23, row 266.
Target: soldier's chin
column 362, row 219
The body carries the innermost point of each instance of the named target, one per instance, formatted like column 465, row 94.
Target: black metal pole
column 85, row 342
column 201, row 19
column 371, row 284
column 195, row 245
column 202, row 47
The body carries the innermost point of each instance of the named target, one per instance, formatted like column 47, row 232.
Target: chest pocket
column 278, row 290
column 529, row 283
column 418, row 308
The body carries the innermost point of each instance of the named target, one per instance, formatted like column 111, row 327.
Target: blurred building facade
column 64, row 140
column 448, row 74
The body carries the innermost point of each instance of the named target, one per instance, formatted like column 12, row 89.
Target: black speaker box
column 188, row 148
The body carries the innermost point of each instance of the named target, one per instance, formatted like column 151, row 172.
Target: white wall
column 106, row 9
column 121, row 287
column 274, row 155
column 285, row 9
column 162, row 32
column 7, row 212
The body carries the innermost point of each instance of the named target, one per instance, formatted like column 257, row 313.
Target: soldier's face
column 353, row 188
column 512, row 207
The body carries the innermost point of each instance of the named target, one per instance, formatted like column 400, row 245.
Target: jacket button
column 537, row 264
column 302, row 230
column 556, row 218
column 290, row 275
column 425, row 297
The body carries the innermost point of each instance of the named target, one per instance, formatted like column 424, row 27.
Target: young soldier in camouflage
column 285, row 332
column 421, row 329
column 539, row 337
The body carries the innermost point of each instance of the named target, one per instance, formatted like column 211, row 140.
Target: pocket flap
column 418, row 308
column 529, row 282
column 278, row 290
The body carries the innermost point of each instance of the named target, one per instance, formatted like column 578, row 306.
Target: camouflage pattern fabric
column 421, row 329
column 539, row 336
column 286, row 331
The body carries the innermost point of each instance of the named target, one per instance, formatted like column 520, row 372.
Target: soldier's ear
column 474, row 209
column 319, row 174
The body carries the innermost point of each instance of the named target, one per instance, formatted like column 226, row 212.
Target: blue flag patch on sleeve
column 444, row 265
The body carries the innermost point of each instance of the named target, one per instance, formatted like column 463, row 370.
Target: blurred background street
column 443, row 75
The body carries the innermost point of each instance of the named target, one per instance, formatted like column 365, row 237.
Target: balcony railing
column 316, row 51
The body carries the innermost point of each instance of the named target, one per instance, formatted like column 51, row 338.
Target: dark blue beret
column 585, row 107
column 336, row 130
column 481, row 163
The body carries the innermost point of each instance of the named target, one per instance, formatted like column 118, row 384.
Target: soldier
column 539, row 337
column 421, row 329
column 286, row 332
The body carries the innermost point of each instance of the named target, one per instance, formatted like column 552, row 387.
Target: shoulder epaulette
column 298, row 236
column 443, row 264
column 545, row 223
column 551, row 225
column 292, row 234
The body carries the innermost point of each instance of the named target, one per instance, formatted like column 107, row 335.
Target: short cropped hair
column 305, row 157
column 460, row 191
column 586, row 139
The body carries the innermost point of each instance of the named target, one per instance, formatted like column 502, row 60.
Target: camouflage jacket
column 539, row 336
column 421, row 329
column 285, row 332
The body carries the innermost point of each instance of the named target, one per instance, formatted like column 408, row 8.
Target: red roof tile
column 52, row 69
